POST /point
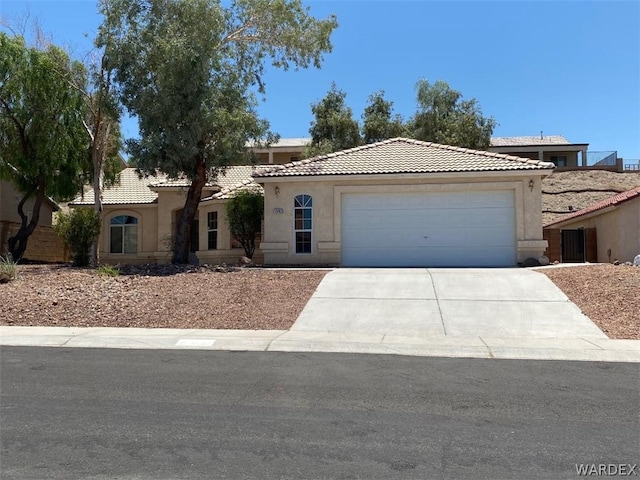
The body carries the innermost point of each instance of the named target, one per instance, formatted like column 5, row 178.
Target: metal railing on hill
column 601, row 158
column 632, row 165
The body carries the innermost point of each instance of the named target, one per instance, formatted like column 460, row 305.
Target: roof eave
column 407, row 175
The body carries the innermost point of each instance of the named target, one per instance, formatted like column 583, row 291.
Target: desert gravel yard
column 254, row 299
column 608, row 294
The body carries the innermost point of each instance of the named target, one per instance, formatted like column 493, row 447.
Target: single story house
column 403, row 202
column 399, row 202
column 606, row 231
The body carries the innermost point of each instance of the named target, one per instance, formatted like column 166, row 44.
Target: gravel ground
column 188, row 297
column 608, row 294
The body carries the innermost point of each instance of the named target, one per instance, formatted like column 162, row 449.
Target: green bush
column 245, row 211
column 108, row 271
column 78, row 230
column 7, row 269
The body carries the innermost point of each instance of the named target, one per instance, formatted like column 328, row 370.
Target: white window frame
column 123, row 227
column 301, row 203
column 210, row 230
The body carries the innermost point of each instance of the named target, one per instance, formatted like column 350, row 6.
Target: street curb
column 576, row 349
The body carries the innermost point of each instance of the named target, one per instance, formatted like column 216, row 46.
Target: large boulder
column 636, row 261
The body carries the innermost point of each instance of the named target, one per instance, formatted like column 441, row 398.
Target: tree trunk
column 183, row 229
column 99, row 154
column 18, row 243
column 98, row 179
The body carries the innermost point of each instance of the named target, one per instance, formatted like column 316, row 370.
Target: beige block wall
column 9, row 199
column 43, row 244
column 617, row 229
column 278, row 242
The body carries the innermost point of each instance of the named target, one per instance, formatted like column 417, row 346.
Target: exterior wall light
column 531, row 184
column 277, row 191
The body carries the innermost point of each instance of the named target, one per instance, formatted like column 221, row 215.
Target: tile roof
column 233, row 179
column 601, row 205
column 132, row 189
column 401, row 155
column 526, row 141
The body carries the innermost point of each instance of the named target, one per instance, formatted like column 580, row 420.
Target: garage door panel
column 370, row 238
column 429, row 229
column 437, row 257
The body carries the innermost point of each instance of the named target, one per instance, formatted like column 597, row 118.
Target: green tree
column 379, row 122
column 78, row 230
column 333, row 127
column 43, row 142
column 245, row 211
column 444, row 117
column 94, row 82
column 188, row 69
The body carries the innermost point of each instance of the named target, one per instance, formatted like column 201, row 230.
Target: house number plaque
column 278, row 211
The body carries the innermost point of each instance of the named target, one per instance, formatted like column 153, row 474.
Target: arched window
column 123, row 234
column 302, row 225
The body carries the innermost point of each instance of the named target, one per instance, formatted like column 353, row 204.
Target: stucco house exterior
column 403, row 202
column 399, row 202
column 609, row 228
column 140, row 215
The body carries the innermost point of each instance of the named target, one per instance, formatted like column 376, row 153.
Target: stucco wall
column 156, row 224
column 279, row 245
column 617, row 230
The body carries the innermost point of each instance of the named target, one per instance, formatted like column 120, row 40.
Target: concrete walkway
column 582, row 349
column 424, row 302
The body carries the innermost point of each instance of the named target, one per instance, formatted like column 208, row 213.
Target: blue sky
column 567, row 68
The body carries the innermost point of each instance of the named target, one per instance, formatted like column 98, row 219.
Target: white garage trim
column 412, row 229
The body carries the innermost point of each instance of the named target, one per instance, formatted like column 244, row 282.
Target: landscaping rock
column 531, row 262
column 245, row 262
column 636, row 261
column 544, row 260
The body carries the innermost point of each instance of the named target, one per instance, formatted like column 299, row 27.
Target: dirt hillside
column 564, row 192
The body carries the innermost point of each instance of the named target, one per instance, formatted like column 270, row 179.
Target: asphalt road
column 125, row 414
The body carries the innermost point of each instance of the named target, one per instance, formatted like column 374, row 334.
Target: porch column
column 270, row 156
column 584, row 157
column 541, row 155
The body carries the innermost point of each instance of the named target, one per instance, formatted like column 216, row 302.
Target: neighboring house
column 283, row 151
column 43, row 244
column 403, row 202
column 603, row 232
column 140, row 216
column 550, row 148
column 559, row 151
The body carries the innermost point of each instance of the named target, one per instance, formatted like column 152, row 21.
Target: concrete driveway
column 435, row 302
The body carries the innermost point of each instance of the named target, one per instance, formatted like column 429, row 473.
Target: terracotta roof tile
column 402, row 155
column 601, row 205
column 132, row 189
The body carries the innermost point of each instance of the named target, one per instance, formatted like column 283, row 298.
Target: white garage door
column 452, row 229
